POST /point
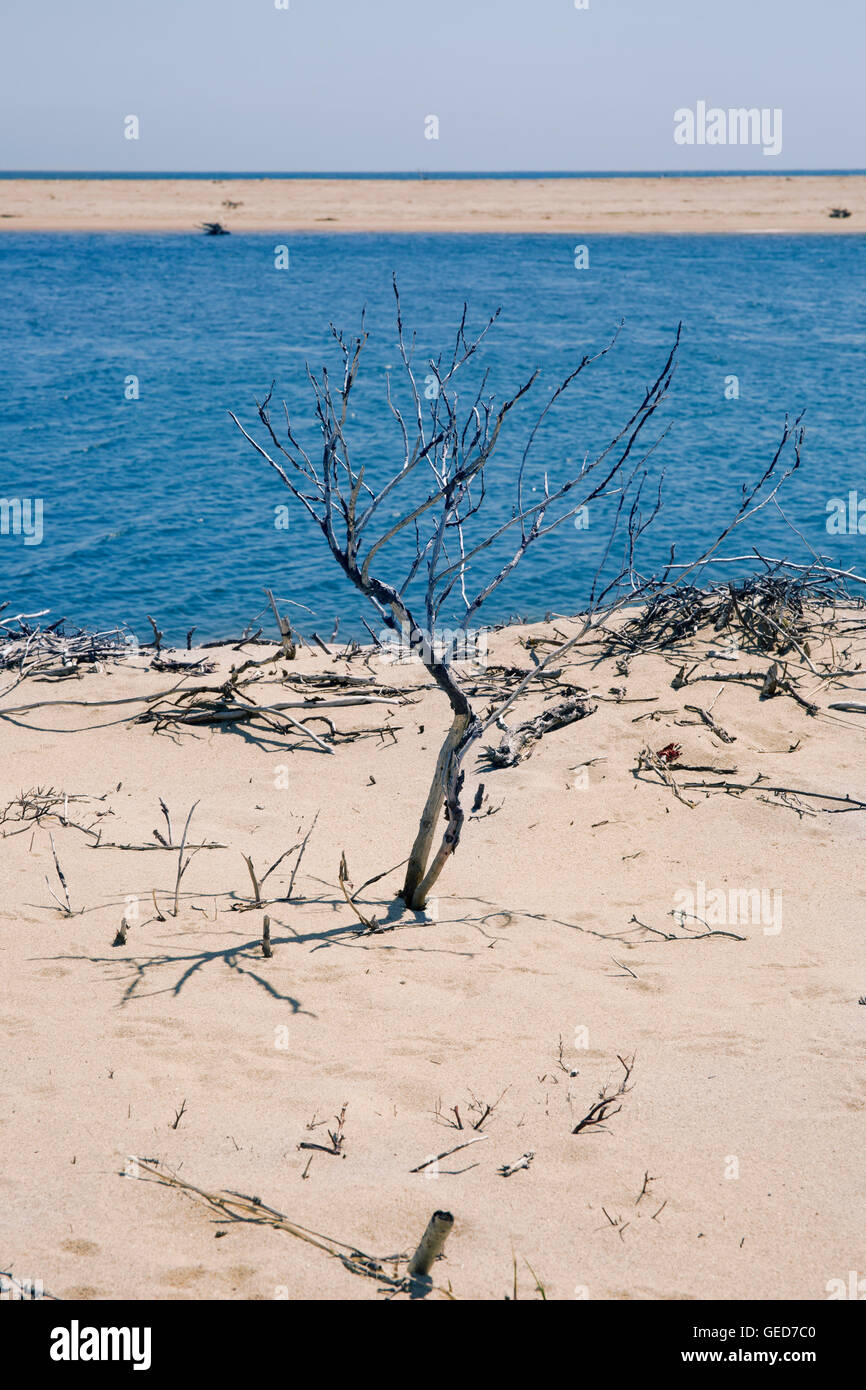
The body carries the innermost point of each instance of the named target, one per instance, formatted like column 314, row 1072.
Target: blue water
column 159, row 506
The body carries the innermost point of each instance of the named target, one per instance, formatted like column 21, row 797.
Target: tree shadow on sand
column 238, row 958
column 242, row 958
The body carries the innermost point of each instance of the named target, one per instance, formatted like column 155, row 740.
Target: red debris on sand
column 670, row 754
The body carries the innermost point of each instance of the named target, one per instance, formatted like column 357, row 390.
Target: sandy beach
column 606, row 205
column 729, row 1165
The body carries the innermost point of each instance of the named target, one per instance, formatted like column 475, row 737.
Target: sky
column 349, row 85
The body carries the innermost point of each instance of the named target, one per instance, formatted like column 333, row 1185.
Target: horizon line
column 423, row 174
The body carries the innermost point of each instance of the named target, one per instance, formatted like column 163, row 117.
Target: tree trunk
column 416, row 868
column 451, row 838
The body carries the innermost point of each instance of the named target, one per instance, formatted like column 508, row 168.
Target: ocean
column 122, row 355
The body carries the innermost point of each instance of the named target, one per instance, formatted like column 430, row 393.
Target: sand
column 573, row 206
column 742, row 1127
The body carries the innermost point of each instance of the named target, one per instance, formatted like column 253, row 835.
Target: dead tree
column 439, row 489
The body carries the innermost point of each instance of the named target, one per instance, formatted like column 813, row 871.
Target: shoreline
column 661, row 204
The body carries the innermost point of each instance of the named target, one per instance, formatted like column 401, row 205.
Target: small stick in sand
column 256, row 888
column 434, row 1158
column 122, row 933
column 523, row 1162
column 483, row 1109
column 847, row 803
column 267, row 949
column 67, row 909
column 646, row 1190
column 439, row 1228
column 336, row 1136
column 601, row 1110
column 369, row 923
column 569, row 1071
column 706, row 718
column 182, row 865
column 300, row 857
column 648, row 759
column 259, row 883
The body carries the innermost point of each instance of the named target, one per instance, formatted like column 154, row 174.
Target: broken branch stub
column 439, row 1228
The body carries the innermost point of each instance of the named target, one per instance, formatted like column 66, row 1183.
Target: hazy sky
column 347, row 84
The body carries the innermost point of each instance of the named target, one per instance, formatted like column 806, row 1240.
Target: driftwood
column 237, row 1206
column 50, row 652
column 518, row 743
column 448, row 1152
column 446, row 786
column 230, row 704
column 334, row 680
column 193, row 668
column 522, row 1163
column 774, row 612
column 259, row 882
column 706, row 718
column 648, row 759
column 287, row 641
column 42, row 804
column 845, row 803
column 681, row 916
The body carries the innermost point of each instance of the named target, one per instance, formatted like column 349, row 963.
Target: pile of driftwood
column 497, row 681
column 776, row 612
column 29, row 649
column 40, row 806
column 231, row 703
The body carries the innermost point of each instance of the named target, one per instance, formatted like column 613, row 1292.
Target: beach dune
column 729, row 1165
